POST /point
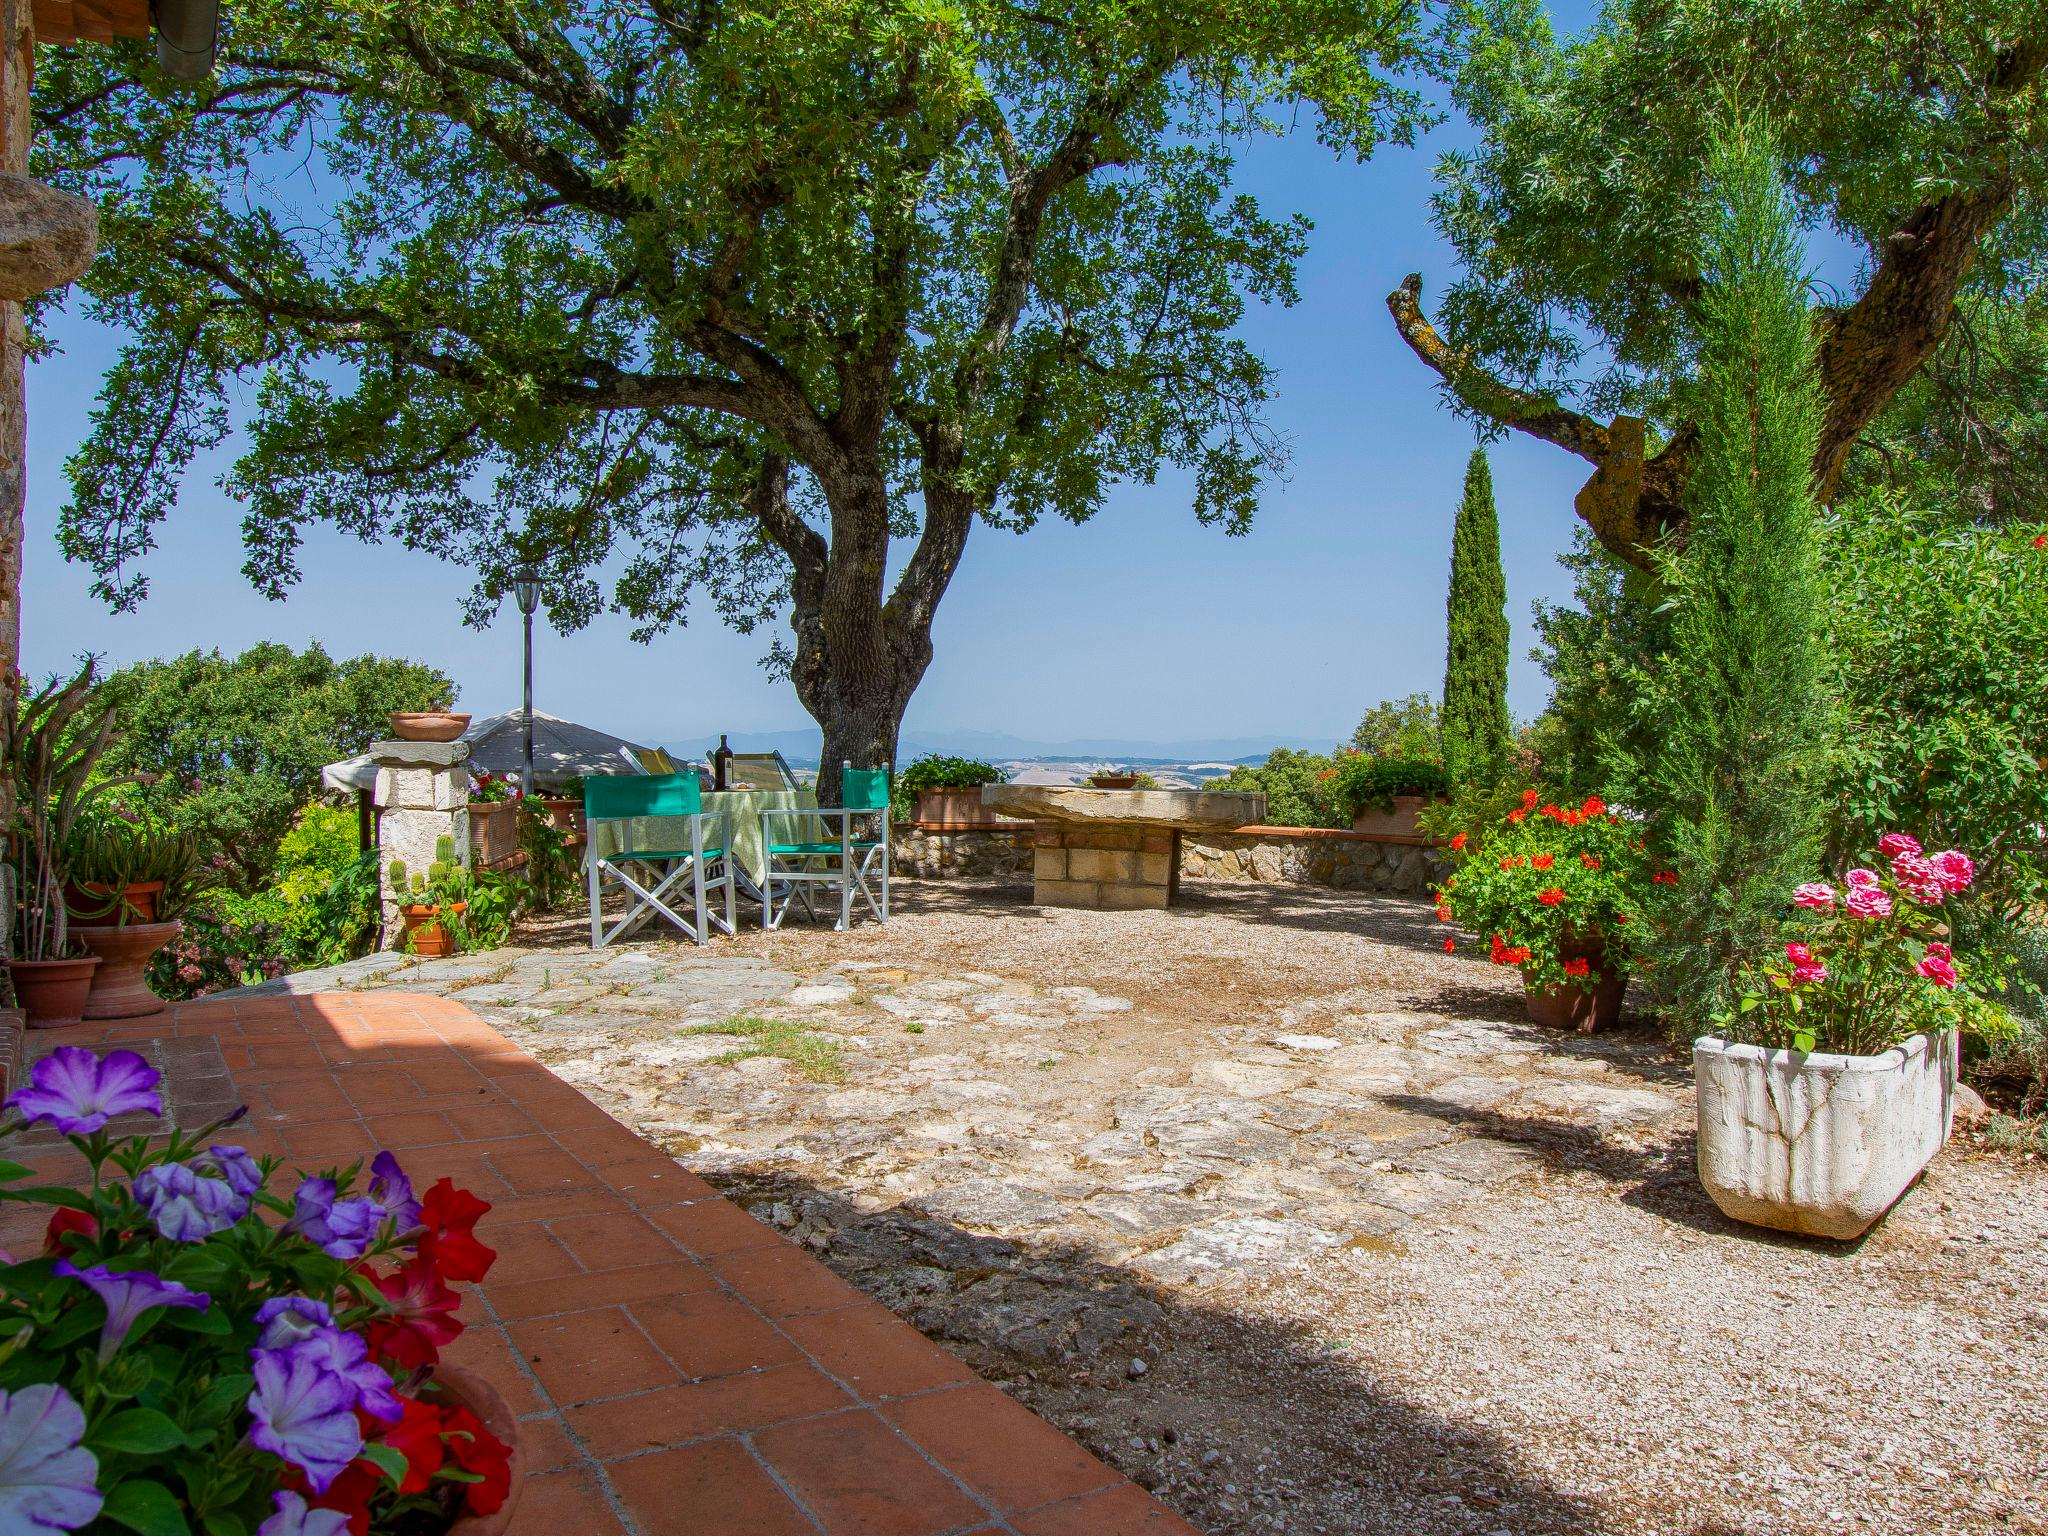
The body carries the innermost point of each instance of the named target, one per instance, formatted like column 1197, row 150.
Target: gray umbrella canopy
column 562, row 749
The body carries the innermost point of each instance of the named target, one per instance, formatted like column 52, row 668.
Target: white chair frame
column 849, row 870
column 661, row 874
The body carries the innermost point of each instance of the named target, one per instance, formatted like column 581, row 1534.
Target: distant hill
column 1214, row 753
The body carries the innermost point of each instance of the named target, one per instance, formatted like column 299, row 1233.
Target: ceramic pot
column 52, row 993
column 1113, row 781
column 567, row 816
column 87, row 903
column 428, row 725
column 1815, row 1142
column 493, row 832
column 1584, row 1009
column 488, row 1404
column 426, row 936
column 118, row 988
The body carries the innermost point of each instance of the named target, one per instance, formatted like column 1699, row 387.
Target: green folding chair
column 648, row 875
column 809, row 857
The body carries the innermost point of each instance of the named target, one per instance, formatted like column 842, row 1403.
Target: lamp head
column 526, row 583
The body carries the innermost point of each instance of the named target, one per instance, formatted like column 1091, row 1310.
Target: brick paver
column 679, row 1368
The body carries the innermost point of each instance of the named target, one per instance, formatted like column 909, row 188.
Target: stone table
column 1115, row 848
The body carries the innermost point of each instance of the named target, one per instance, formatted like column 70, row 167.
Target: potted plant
column 565, row 809
column 945, row 793
column 430, row 904
column 1386, row 796
column 1832, row 1083
column 1116, row 777
column 439, row 723
column 1552, row 890
column 53, row 741
column 116, row 856
column 493, row 819
column 194, row 1350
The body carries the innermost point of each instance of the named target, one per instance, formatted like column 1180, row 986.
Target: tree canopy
column 586, row 281
column 1917, row 131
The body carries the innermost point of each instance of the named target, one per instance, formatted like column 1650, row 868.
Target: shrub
column 933, row 771
column 1476, row 730
column 1359, row 783
column 1296, row 786
column 1404, row 727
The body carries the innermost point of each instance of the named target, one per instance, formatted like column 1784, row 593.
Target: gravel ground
column 1592, row 1349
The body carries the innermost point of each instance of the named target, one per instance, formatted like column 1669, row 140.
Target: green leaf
column 146, row 1507
column 1802, row 1040
column 223, row 1398
column 390, row 1462
column 205, row 1320
column 9, row 1172
column 141, row 1431
column 49, row 1194
column 224, row 1523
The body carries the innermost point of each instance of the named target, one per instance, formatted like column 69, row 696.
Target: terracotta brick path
column 679, row 1368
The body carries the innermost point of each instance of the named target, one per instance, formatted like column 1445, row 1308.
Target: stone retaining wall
column 1347, row 861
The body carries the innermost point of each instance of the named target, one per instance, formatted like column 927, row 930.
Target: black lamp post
column 526, row 592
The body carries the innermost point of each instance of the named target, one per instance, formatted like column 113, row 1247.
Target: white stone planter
column 1819, row 1144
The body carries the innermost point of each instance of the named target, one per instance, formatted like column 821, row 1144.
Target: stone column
column 1104, row 866
column 422, row 797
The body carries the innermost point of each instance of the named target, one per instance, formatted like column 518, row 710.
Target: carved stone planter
column 1816, row 1143
column 118, row 988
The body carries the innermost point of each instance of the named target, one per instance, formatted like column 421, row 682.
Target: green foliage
column 1738, row 707
column 815, row 1057
column 53, row 747
column 1540, row 885
column 550, row 873
column 1405, row 727
column 233, row 747
column 1938, row 635
column 1363, row 783
column 1477, row 732
column 1296, row 786
column 110, row 850
column 933, row 771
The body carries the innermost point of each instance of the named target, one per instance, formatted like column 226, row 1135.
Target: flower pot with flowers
column 1832, row 1082
column 493, row 819
column 196, row 1351
column 1551, row 891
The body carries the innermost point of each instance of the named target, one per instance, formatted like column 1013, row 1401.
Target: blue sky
column 1140, row 625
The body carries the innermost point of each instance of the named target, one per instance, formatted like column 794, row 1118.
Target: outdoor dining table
column 672, row 833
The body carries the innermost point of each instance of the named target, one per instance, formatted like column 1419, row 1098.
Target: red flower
column 421, row 1320
column 2041, row 541
column 1516, row 816
column 448, row 1218
column 1512, row 861
column 1443, row 914
column 1543, row 861
column 1528, row 799
column 416, row 1437
column 475, row 1449
column 65, row 1222
column 1589, row 861
column 1577, row 967
column 1594, row 806
column 1450, row 946
column 1458, row 842
column 1664, row 877
column 1551, row 897
column 348, row 1495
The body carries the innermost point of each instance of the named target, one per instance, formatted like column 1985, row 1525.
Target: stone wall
column 925, row 854
column 1349, row 861
column 1298, row 855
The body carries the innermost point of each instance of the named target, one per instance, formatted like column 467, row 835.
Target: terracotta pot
column 52, row 993
column 493, row 832
column 118, row 988
column 956, row 810
column 1113, row 780
column 426, row 936
column 428, row 725
column 87, row 903
column 567, row 816
column 488, row 1404
column 1401, row 821
column 1582, row 1008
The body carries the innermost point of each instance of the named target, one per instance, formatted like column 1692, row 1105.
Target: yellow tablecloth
column 671, row 834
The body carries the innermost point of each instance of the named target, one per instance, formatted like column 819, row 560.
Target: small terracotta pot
column 426, row 935
column 52, row 993
column 87, row 903
column 427, row 725
column 488, row 1404
column 1113, row 781
column 118, row 988
column 1582, row 1008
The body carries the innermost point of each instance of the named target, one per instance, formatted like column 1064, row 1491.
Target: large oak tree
column 1916, row 130
column 773, row 299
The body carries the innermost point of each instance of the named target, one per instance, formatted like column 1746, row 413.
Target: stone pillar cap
column 418, row 754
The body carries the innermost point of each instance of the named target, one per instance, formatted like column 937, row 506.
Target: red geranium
column 1543, row 860
column 416, row 1437
column 476, row 1450
column 422, row 1318
column 65, row 1222
column 1550, row 897
column 448, row 1218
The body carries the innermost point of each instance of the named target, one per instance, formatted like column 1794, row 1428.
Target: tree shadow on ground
column 1657, row 1173
column 1239, row 1422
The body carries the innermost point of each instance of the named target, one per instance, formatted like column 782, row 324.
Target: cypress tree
column 1476, row 731
column 1739, row 702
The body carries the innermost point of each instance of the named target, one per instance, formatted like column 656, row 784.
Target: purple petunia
column 287, row 1319
column 128, row 1296
column 304, row 1413
column 392, row 1191
column 185, row 1204
column 343, row 1229
column 78, row 1092
column 347, row 1356
column 243, row 1173
column 295, row 1517
column 47, row 1479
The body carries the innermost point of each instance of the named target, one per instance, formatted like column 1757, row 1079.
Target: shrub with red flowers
column 1869, row 964
column 195, row 1350
column 1549, row 889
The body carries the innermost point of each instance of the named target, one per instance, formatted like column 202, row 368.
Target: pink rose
column 1919, row 879
column 1868, row 901
column 1818, row 895
column 1805, row 969
column 1892, row 844
column 1956, row 868
column 1857, row 877
column 1939, row 966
